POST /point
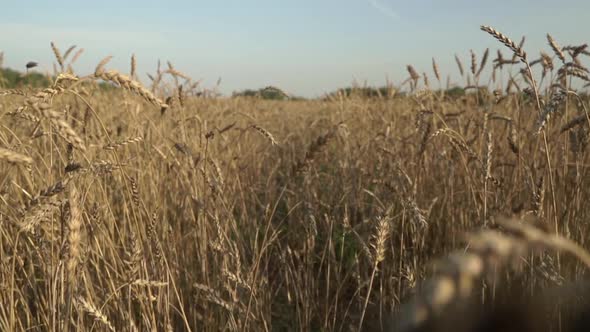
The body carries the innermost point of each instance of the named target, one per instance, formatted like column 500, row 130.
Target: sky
column 305, row 47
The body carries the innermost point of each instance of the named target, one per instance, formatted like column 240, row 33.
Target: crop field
column 433, row 205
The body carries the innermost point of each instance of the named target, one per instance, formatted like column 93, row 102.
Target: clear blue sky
column 306, row 47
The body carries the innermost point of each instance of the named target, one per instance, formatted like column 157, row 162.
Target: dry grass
column 122, row 212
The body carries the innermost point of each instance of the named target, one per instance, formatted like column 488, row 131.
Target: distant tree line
column 267, row 93
column 11, row 79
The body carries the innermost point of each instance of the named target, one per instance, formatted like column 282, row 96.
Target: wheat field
column 160, row 207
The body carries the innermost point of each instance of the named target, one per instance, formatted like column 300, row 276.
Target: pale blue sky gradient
column 307, row 47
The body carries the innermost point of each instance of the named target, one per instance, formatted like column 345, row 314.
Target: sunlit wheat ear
column 556, row 48
column 117, row 145
column 513, row 140
column 74, row 226
column 435, row 70
column 473, row 62
column 538, row 197
column 314, row 148
column 63, row 128
column 134, row 257
column 62, row 77
column 520, row 45
column 488, row 251
column 265, row 133
column 68, row 52
column 14, row 157
column 95, row 312
column 518, row 51
column 547, row 63
column 76, row 56
column 127, row 83
column 54, row 189
column 100, row 67
column 380, row 239
column 213, row 296
column 156, row 245
column 487, row 161
column 573, row 69
column 38, row 214
column 459, row 65
column 58, row 57
column 484, row 61
column 133, row 67
column 578, row 120
column 577, row 50
column 552, row 106
column 134, row 192
column 426, row 81
column 174, row 72
column 149, row 283
column 13, row 92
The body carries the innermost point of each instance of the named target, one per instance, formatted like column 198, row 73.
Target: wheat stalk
column 556, row 100
column 413, row 73
column 76, row 56
column 74, row 234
